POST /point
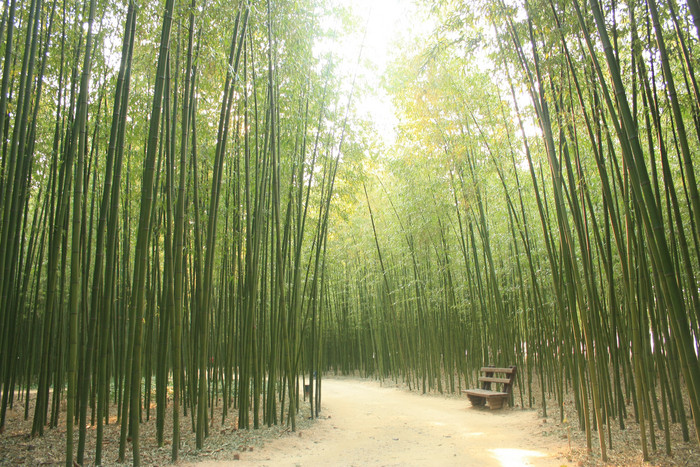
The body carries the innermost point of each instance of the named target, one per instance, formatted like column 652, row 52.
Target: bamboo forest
column 206, row 208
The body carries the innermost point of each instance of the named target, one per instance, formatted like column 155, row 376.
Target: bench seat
column 485, row 393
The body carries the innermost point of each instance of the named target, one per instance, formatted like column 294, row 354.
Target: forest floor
column 18, row 448
column 366, row 423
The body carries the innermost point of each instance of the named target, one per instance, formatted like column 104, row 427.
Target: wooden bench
column 495, row 399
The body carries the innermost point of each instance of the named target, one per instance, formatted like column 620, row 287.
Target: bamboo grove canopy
column 194, row 209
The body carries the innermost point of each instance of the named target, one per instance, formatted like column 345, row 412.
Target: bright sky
column 381, row 26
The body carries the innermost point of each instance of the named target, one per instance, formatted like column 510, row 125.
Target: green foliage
column 538, row 207
column 508, row 211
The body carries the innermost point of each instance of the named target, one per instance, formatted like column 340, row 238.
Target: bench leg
column 476, row 400
column 496, row 403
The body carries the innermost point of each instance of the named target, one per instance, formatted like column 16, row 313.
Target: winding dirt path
column 365, row 424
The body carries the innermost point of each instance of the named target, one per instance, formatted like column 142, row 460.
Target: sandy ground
column 365, row 424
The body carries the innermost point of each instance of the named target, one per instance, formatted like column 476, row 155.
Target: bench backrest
column 498, row 375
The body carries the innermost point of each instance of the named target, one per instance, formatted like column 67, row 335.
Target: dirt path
column 364, row 423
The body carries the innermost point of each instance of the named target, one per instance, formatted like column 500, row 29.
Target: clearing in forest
column 364, row 423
